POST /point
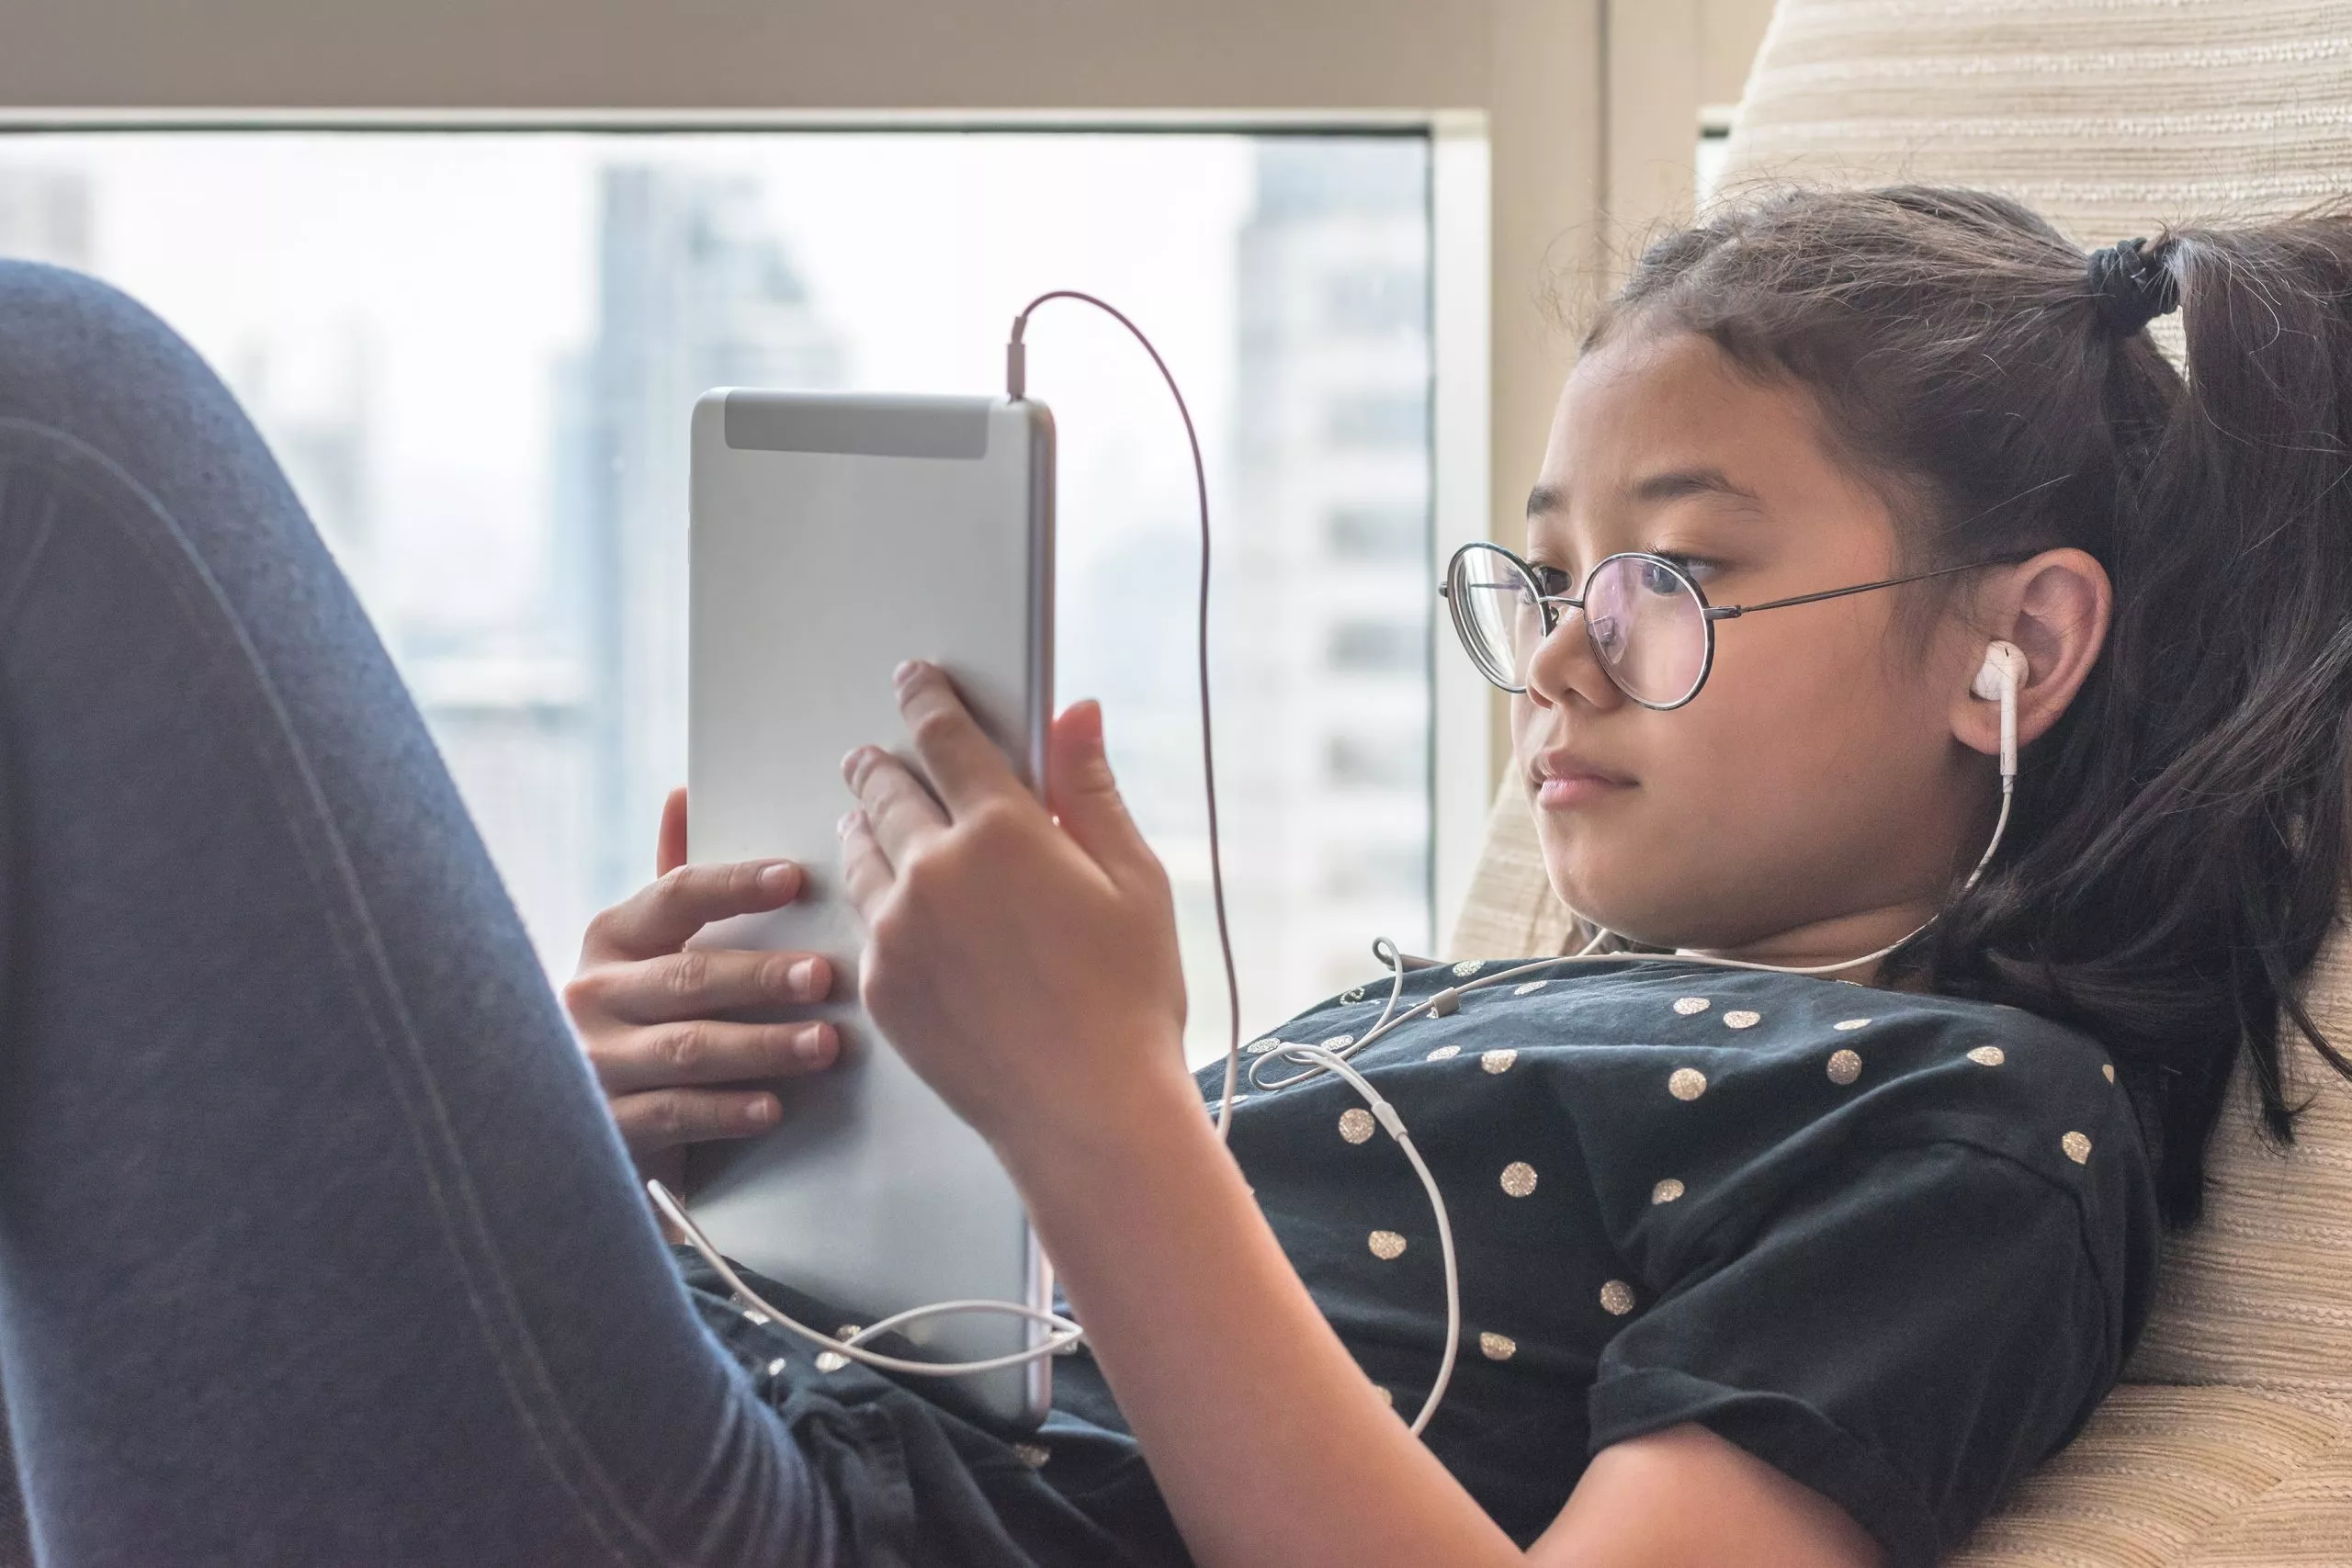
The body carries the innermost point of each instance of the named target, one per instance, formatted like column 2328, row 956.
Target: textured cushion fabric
column 2230, row 1443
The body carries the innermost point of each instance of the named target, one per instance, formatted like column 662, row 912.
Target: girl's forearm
column 1269, row 1443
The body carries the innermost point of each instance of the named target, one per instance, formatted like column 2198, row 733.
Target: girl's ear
column 2055, row 607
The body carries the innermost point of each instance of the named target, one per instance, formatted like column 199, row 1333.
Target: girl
column 1757, row 1266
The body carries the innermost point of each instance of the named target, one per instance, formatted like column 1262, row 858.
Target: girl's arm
column 1269, row 1443
column 1028, row 969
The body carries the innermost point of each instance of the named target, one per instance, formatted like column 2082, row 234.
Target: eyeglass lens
column 1645, row 623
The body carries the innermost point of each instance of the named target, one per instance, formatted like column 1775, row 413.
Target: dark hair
column 2177, row 852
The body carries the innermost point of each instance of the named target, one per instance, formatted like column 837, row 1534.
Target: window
column 1383, row 647
column 475, row 350
column 1383, row 533
column 1378, row 761
column 1375, row 301
column 1382, row 420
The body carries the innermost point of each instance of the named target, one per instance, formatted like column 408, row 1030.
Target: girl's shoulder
column 1691, row 1073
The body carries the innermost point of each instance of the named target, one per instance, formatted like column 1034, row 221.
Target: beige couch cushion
column 2230, row 1442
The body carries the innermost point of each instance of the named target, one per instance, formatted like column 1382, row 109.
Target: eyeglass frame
column 1551, row 604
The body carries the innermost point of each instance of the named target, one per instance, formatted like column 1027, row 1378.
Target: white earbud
column 1997, row 679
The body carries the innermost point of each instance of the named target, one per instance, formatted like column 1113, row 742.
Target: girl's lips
column 1563, row 794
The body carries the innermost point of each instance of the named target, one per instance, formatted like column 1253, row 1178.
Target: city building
column 695, row 290
column 1328, row 616
column 46, row 215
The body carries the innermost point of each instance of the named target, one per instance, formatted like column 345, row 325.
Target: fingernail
column 761, row 1111
column 803, row 978
column 778, row 876
column 905, row 672
column 849, row 763
column 813, row 1044
column 849, row 820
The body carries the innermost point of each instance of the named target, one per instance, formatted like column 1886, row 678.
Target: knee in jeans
column 80, row 356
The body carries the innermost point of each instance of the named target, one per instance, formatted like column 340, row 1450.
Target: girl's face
column 1813, row 801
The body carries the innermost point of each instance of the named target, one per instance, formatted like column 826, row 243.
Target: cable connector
column 1016, row 366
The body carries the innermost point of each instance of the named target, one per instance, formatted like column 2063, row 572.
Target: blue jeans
column 316, row 1243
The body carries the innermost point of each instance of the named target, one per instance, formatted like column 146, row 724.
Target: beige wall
column 1591, row 106
column 1665, row 60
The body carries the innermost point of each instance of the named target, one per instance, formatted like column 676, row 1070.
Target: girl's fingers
column 667, row 1118
column 866, row 874
column 698, row 982
column 1084, row 796
column 899, row 811
column 705, row 1051
column 660, row 917
column 964, row 763
column 669, row 848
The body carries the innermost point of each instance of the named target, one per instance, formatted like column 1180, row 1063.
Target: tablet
column 832, row 536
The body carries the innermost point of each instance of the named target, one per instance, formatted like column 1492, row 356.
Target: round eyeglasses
column 1650, row 625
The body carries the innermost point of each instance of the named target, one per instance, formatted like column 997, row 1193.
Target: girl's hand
column 647, row 1009
column 1028, row 970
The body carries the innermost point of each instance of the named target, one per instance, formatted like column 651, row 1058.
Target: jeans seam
column 14, row 594
column 307, row 815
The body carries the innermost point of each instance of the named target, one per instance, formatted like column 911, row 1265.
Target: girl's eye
column 1697, row 567
column 1550, row 581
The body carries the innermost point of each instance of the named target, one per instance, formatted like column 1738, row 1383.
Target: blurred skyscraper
column 45, row 216
column 695, row 290
column 1332, row 583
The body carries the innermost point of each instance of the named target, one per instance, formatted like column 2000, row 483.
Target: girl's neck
column 1833, row 940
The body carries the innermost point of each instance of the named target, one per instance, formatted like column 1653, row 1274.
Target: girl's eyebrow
column 1676, row 483
column 1672, row 485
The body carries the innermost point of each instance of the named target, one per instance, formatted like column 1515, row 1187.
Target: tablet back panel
column 833, row 536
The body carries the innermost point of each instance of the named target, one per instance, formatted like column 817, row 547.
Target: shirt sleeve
column 1907, row 1333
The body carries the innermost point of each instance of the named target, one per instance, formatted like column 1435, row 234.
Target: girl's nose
column 1564, row 663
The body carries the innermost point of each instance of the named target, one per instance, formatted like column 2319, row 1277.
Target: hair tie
column 2129, row 287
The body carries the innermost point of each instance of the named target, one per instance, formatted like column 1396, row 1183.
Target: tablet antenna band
column 1016, row 386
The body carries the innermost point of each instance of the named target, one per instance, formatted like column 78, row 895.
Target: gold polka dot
column 1445, row 1053
column 1469, row 966
column 1033, row 1455
column 1497, row 1347
column 1849, row 1024
column 776, row 1367
column 1690, row 1006
column 1667, row 1192
column 1844, row 1066
column 1742, row 1019
column 1356, row 1124
column 1498, row 1061
column 1525, row 988
column 2078, row 1148
column 754, row 1315
column 830, row 1361
column 1386, row 1245
column 1353, row 994
column 2107, row 1069
column 1988, row 1056
column 848, row 1331
column 1519, row 1179
column 1688, row 1083
column 1260, row 1047
column 1386, row 1398
column 1616, row 1298
column 1339, row 1041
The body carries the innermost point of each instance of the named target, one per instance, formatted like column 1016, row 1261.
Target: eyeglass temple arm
column 1732, row 612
